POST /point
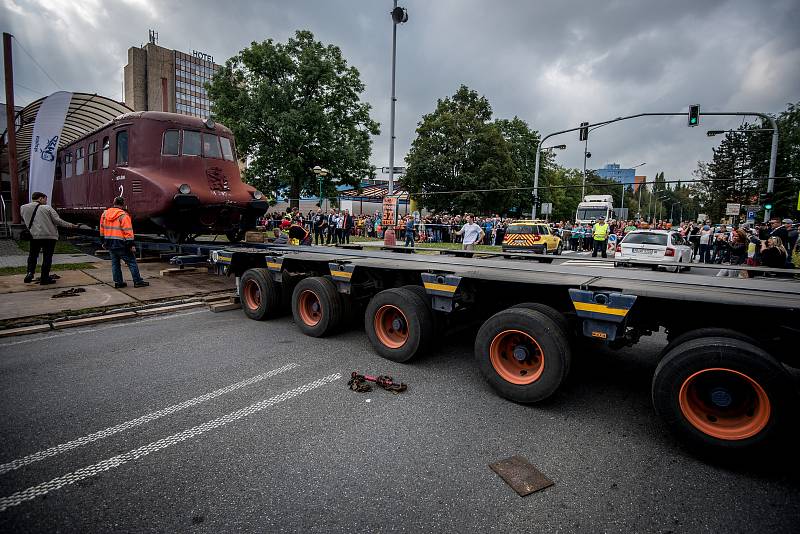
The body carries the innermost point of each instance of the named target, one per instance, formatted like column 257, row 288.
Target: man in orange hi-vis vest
column 116, row 229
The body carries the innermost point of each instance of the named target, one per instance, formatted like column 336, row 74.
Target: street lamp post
column 321, row 174
column 399, row 16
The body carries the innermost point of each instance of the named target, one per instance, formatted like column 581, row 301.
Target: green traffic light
column 694, row 120
column 767, row 206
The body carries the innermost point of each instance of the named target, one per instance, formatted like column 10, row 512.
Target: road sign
column 752, row 207
column 547, row 208
column 733, row 209
column 397, row 170
column 751, row 216
column 612, row 243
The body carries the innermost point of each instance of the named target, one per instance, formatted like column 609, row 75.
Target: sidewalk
column 22, row 303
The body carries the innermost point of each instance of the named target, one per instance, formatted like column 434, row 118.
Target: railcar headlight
column 184, row 189
column 258, row 195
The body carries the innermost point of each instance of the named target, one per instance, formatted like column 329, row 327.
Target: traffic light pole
column 772, row 158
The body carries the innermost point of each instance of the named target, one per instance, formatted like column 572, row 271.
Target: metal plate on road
column 521, row 475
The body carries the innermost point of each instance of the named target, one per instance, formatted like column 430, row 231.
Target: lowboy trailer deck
column 716, row 387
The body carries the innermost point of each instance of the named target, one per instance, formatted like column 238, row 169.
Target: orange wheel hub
column 516, row 357
column 724, row 404
column 252, row 294
column 391, row 326
column 310, row 308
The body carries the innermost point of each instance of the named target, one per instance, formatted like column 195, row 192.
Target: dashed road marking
column 110, row 431
column 31, row 493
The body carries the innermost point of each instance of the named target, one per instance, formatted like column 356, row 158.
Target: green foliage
column 458, row 149
column 293, row 106
column 742, row 158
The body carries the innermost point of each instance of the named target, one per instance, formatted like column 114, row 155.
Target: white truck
column 593, row 207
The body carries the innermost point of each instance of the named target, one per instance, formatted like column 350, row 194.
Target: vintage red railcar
column 179, row 176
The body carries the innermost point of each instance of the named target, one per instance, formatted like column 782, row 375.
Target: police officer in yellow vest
column 600, row 235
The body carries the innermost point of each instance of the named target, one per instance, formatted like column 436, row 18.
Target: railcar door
column 118, row 183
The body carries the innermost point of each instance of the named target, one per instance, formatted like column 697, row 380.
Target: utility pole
column 13, row 171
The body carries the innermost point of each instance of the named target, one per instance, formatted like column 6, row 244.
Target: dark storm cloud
column 553, row 64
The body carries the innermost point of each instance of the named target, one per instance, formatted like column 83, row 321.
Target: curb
column 107, row 318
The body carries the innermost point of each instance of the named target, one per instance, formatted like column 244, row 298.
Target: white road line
column 589, row 263
column 31, row 493
column 110, row 431
column 100, row 328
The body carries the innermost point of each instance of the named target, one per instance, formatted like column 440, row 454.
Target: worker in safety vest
column 600, row 236
column 116, row 230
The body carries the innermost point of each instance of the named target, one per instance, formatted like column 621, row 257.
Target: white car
column 658, row 248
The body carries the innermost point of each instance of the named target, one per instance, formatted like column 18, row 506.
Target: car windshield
column 521, row 229
column 587, row 214
column 645, row 238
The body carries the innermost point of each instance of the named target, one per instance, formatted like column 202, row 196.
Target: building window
column 122, row 148
column 92, row 159
column 68, row 165
column 191, row 143
column 170, row 144
column 227, row 149
column 106, row 152
column 211, row 146
column 79, row 161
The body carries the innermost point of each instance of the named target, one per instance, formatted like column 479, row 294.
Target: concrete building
column 614, row 172
column 160, row 79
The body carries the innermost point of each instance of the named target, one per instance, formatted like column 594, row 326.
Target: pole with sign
column 389, row 220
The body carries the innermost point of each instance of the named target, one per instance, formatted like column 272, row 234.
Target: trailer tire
column 260, row 295
column 348, row 317
column 523, row 354
column 688, row 335
column 558, row 318
column 723, row 395
column 316, row 306
column 399, row 324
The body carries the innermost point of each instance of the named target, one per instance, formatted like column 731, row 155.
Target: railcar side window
column 170, row 145
column 227, row 149
column 68, row 165
column 92, row 159
column 211, row 146
column 122, row 148
column 79, row 161
column 106, row 152
column 191, row 143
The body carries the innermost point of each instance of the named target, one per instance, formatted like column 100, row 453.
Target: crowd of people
column 773, row 244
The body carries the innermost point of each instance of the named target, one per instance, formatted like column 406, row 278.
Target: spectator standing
column 471, row 232
column 42, row 221
column 319, row 223
column 706, row 236
column 409, row 224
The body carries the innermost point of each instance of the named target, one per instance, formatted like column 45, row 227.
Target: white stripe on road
column 98, row 329
column 589, row 263
column 110, row 431
column 116, row 461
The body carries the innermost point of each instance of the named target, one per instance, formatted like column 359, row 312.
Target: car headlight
column 184, row 189
column 258, row 195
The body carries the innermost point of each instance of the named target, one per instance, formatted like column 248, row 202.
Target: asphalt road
column 215, row 423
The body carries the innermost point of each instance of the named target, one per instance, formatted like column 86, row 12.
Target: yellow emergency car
column 531, row 236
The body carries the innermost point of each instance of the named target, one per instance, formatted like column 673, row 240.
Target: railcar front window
column 122, row 148
column 68, row 166
column 170, row 145
column 92, row 156
column 79, row 161
column 211, row 146
column 106, row 152
column 227, row 148
column 191, row 143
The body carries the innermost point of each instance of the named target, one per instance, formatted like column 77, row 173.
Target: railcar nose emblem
column 217, row 181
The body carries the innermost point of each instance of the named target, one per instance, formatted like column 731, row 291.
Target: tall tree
column 293, row 106
column 457, row 148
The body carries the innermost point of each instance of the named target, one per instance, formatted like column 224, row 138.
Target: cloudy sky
column 552, row 63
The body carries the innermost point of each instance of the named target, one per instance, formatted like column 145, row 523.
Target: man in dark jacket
column 42, row 221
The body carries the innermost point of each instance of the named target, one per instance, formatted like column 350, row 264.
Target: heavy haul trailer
column 717, row 388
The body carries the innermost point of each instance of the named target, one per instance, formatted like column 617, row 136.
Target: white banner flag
column 44, row 142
